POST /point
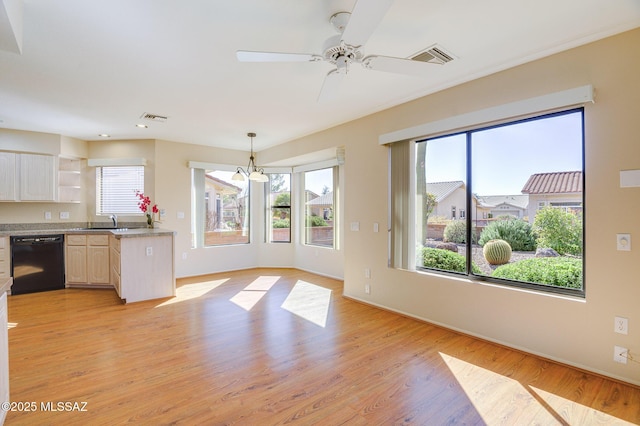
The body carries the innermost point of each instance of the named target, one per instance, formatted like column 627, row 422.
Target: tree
column 277, row 182
column 283, row 199
column 325, row 190
column 559, row 230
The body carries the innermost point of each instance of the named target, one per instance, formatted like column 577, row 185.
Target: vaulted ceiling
column 82, row 68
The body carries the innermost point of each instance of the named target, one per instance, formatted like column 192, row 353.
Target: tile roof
column 520, row 201
column 323, row 200
column 554, row 183
column 441, row 190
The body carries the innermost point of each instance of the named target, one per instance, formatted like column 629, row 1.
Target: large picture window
column 319, row 207
column 505, row 203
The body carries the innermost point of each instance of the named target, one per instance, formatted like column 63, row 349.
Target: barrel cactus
column 497, row 252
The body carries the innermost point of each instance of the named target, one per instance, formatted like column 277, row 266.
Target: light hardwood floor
column 279, row 346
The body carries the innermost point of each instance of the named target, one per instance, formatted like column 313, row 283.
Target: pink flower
column 145, row 203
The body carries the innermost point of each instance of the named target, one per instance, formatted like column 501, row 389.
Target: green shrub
column 456, row 232
column 281, row 223
column 555, row 271
column 315, row 221
column 559, row 230
column 446, row 260
column 516, row 232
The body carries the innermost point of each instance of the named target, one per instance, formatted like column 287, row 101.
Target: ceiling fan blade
column 248, row 56
column 365, row 18
column 331, row 85
column 397, row 65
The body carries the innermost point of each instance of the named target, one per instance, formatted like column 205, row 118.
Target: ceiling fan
column 346, row 48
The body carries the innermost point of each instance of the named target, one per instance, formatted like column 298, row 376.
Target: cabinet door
column 37, row 177
column 98, row 264
column 76, row 264
column 7, row 176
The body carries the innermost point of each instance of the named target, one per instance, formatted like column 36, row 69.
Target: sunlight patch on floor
column 496, row 398
column 12, row 325
column 310, row 302
column 193, row 291
column 574, row 413
column 251, row 294
column 501, row 400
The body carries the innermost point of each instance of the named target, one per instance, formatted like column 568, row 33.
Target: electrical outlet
column 47, row 215
column 149, row 251
column 367, row 273
column 621, row 325
column 620, row 354
column 64, row 215
column 367, row 288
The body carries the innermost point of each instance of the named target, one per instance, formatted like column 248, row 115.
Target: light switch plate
column 623, row 242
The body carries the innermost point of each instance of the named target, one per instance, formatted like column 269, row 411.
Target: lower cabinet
column 87, row 259
column 114, row 269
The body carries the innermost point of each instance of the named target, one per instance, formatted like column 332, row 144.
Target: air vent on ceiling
column 154, row 117
column 433, row 55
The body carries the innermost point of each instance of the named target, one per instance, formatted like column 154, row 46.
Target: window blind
column 116, row 188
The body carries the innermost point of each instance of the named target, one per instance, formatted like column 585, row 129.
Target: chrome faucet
column 114, row 218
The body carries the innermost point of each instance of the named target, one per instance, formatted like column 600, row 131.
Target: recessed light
column 142, row 126
column 104, row 135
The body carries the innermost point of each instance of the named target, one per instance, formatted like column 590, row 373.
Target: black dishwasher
column 37, row 263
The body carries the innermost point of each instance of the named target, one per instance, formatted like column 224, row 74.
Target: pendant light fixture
column 252, row 172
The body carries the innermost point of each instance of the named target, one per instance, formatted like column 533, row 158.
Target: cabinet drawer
column 76, row 240
column 98, row 240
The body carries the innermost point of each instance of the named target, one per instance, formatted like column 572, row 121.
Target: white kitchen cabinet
column 7, row 176
column 37, row 177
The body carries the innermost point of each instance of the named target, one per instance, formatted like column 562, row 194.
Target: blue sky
column 505, row 157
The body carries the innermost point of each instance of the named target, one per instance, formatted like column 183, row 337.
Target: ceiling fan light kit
column 346, row 48
column 253, row 172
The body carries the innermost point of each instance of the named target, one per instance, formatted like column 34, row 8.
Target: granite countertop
column 118, row 232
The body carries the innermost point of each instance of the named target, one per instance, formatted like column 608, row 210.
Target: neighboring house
column 222, row 203
column 450, row 199
column 492, row 206
column 321, row 206
column 557, row 189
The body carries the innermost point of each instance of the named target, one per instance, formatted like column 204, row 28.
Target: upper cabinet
column 8, row 176
column 37, row 177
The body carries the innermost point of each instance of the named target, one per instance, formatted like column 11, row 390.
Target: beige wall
column 575, row 331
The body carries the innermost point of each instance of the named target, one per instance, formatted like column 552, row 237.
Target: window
column 116, row 188
column 221, row 208
column 529, row 172
column 319, row 200
column 278, row 196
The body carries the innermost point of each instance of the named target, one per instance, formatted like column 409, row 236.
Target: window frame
column 469, row 204
column 334, row 208
column 269, row 210
column 198, row 203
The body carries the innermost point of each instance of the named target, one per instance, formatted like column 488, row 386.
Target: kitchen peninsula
column 137, row 263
